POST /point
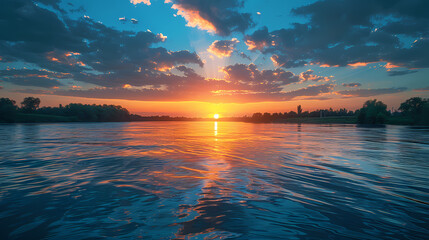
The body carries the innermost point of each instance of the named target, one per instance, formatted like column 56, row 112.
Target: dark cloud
column 286, row 62
column 85, row 49
column 243, row 83
column 370, row 92
column 218, row 16
column 223, row 48
column 245, row 56
column 250, row 74
column 341, row 32
column 35, row 78
column 53, row 3
column 188, row 94
column 393, row 73
column 425, row 89
column 309, row 91
column 353, row 85
column 132, row 65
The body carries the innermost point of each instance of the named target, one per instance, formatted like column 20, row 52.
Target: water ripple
column 194, row 180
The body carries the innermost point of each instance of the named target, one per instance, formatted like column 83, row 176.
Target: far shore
column 43, row 118
column 414, row 111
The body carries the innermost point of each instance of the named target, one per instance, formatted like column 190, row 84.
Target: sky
column 200, row 57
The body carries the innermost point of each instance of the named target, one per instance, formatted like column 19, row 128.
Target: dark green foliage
column 8, row 110
column 30, row 112
column 89, row 113
column 373, row 112
column 281, row 117
column 417, row 109
column 30, row 104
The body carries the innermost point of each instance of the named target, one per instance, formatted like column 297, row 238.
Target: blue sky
column 322, row 53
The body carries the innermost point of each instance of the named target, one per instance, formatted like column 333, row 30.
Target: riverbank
column 45, row 118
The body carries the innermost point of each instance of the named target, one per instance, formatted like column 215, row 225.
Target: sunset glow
column 217, row 53
column 214, row 119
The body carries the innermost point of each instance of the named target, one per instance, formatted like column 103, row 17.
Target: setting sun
column 216, row 116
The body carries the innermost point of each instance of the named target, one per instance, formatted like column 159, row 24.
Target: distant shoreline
column 414, row 111
column 42, row 118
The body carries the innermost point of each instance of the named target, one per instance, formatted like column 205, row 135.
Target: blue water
column 206, row 180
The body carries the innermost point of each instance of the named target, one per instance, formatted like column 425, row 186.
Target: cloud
column 198, row 93
column 245, row 56
column 242, row 83
column 309, row 76
column 425, row 89
column 352, row 85
column 250, row 74
column 285, row 62
column 133, row 65
column 223, row 48
column 135, row 2
column 393, row 73
column 161, row 36
column 53, row 3
column 220, row 17
column 368, row 31
column 35, row 78
column 309, row 91
column 370, row 92
column 85, row 49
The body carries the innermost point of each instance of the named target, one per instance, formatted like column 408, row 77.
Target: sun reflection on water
column 204, row 180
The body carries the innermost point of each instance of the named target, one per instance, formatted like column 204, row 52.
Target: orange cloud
column 251, row 45
column 390, row 65
column 194, row 19
column 359, row 64
column 68, row 54
column 135, row 2
column 309, row 76
column 163, row 68
column 327, row 65
column 274, row 59
column 223, row 48
column 81, row 63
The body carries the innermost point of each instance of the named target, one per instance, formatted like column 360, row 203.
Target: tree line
column 413, row 111
column 10, row 112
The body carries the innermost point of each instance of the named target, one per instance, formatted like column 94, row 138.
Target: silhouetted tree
column 416, row 108
column 299, row 110
column 8, row 110
column 30, row 104
column 373, row 112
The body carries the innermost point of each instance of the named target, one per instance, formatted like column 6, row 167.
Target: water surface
column 206, row 180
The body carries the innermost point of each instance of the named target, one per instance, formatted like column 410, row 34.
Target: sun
column 216, row 116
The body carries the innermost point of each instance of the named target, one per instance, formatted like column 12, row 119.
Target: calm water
column 202, row 180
